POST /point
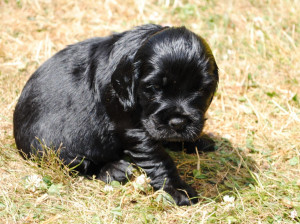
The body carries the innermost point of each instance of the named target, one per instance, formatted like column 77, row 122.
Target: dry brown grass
column 254, row 117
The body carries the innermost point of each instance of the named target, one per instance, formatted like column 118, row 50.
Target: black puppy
column 123, row 95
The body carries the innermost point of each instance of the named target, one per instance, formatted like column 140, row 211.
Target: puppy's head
column 175, row 79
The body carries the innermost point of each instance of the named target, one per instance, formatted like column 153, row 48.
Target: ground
column 252, row 177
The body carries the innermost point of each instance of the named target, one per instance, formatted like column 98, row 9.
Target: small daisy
column 142, row 179
column 108, row 188
column 294, row 214
column 33, row 182
column 228, row 199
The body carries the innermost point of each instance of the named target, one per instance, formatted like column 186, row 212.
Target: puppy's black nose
column 177, row 123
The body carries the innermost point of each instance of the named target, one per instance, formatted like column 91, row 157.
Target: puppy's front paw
column 183, row 194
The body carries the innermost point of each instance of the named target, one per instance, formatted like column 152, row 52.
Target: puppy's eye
column 154, row 88
column 200, row 91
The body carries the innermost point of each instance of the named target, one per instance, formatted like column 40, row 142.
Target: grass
column 254, row 116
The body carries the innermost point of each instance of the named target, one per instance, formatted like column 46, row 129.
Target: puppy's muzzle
column 178, row 123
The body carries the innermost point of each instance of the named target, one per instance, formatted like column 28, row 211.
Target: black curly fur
column 127, row 94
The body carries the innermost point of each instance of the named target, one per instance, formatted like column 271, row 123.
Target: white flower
column 260, row 35
column 34, row 179
column 294, row 214
column 33, row 182
column 142, row 179
column 141, row 183
column 228, row 199
column 258, row 21
column 108, row 188
column 228, row 202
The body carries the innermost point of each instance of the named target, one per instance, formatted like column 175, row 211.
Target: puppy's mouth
column 161, row 132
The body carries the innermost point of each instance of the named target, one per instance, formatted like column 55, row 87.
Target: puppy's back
column 61, row 101
column 51, row 91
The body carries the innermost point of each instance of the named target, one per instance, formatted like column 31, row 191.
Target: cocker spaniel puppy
column 122, row 96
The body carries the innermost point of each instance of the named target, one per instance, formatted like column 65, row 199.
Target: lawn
column 252, row 177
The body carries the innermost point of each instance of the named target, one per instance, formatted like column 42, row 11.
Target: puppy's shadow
column 216, row 172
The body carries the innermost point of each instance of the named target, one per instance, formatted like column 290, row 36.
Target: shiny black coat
column 123, row 95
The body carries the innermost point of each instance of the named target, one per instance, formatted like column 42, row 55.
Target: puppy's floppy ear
column 123, row 81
